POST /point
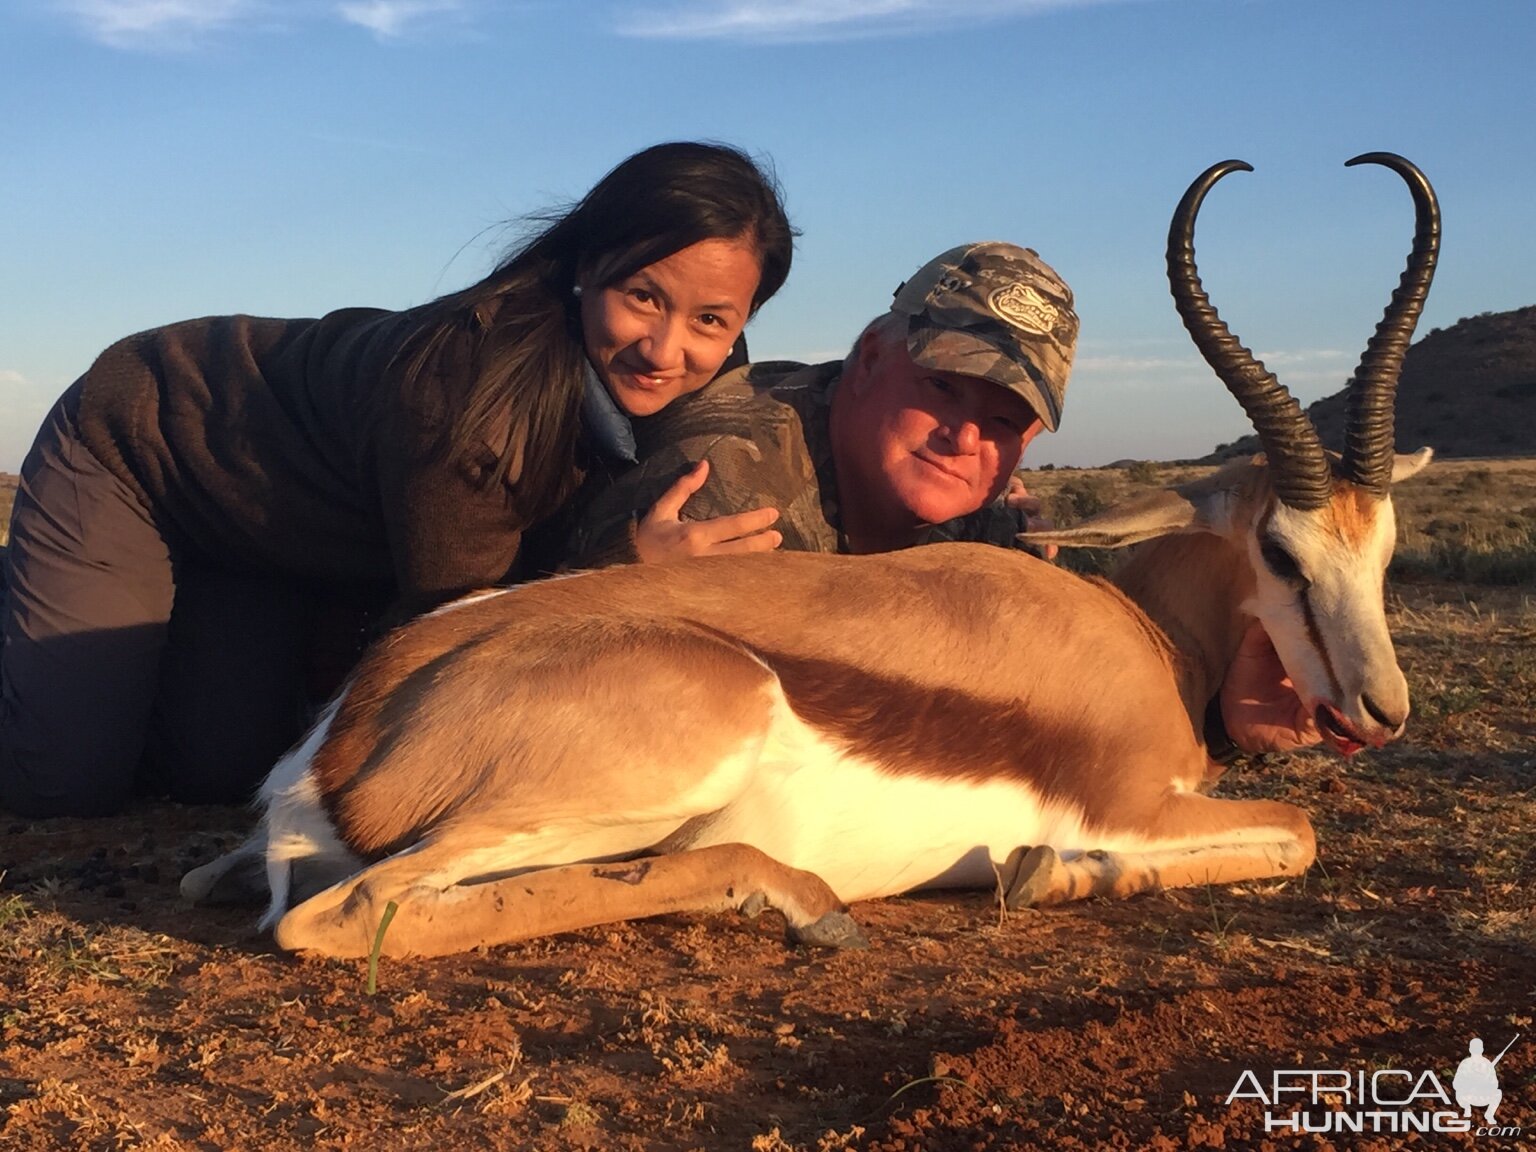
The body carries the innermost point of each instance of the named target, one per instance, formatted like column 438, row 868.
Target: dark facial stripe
column 1309, row 619
column 1315, row 635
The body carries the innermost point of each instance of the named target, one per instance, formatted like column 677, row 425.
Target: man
column 911, row 439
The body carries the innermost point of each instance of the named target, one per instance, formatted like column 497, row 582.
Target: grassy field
column 1471, row 521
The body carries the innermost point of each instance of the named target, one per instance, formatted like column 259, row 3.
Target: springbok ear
column 1140, row 518
column 1405, row 467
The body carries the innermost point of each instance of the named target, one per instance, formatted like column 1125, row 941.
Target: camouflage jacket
column 765, row 430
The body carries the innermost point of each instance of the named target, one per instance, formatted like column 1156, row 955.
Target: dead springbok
column 801, row 731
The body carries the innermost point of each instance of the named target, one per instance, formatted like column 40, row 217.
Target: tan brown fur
column 527, row 699
column 560, row 899
column 1203, row 634
column 1353, row 514
column 942, row 707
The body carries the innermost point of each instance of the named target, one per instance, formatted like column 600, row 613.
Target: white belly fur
column 868, row 832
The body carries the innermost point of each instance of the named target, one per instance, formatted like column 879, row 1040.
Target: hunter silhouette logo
column 1336, row 1100
column 1477, row 1080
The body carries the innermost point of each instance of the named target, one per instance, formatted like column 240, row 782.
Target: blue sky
column 173, row 158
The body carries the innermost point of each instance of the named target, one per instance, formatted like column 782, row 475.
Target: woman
column 211, row 492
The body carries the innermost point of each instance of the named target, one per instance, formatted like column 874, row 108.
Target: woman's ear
column 739, row 356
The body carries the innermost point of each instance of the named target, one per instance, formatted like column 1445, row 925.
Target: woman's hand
column 663, row 536
column 1259, row 704
column 1017, row 497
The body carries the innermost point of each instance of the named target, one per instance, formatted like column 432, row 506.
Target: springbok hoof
column 235, row 878
column 753, row 906
column 1040, row 878
column 834, row 930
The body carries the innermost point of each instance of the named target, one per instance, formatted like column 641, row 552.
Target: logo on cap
column 1024, row 307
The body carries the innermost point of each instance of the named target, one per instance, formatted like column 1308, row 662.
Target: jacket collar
column 606, row 422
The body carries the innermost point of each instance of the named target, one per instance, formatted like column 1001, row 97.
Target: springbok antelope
column 803, row 731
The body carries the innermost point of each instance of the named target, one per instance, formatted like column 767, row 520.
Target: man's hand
column 664, row 536
column 1017, row 497
column 1259, row 704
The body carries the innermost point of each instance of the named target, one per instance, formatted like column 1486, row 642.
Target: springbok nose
column 1390, row 720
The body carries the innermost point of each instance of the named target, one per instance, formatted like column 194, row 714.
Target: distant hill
column 1467, row 390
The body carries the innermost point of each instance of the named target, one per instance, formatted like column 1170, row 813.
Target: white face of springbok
column 1318, row 591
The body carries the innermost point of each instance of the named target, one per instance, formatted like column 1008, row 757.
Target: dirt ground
column 131, row 1021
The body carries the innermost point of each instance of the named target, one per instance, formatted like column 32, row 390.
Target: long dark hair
column 523, row 393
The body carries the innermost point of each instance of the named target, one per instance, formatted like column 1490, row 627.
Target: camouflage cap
column 996, row 311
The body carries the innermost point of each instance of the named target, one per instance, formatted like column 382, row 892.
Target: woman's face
column 664, row 331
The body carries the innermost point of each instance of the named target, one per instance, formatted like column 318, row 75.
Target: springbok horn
column 1298, row 465
column 1368, row 441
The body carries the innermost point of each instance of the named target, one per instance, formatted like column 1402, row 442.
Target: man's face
column 927, row 446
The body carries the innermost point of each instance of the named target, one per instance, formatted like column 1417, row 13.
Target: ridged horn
column 1368, row 443
column 1297, row 463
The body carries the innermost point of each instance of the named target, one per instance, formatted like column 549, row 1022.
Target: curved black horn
column 1298, row 465
column 1368, row 441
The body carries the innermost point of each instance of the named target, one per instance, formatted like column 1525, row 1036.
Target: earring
column 576, row 291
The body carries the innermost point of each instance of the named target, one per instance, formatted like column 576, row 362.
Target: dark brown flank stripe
column 944, row 733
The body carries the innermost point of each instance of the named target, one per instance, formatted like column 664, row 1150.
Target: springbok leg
column 237, row 877
column 1209, row 841
column 432, row 921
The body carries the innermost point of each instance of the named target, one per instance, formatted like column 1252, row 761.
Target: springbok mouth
column 1337, row 732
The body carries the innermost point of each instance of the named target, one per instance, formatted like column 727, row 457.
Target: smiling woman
column 204, row 505
column 663, row 332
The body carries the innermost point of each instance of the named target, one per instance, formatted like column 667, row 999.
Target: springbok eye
column 1282, row 564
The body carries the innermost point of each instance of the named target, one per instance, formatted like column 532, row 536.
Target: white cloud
column 390, row 19
column 1308, row 371
column 1119, row 363
column 1316, row 357
column 804, row 20
column 176, row 25
column 155, row 23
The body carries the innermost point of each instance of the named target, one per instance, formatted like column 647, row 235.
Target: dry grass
column 54, row 951
column 1468, row 521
